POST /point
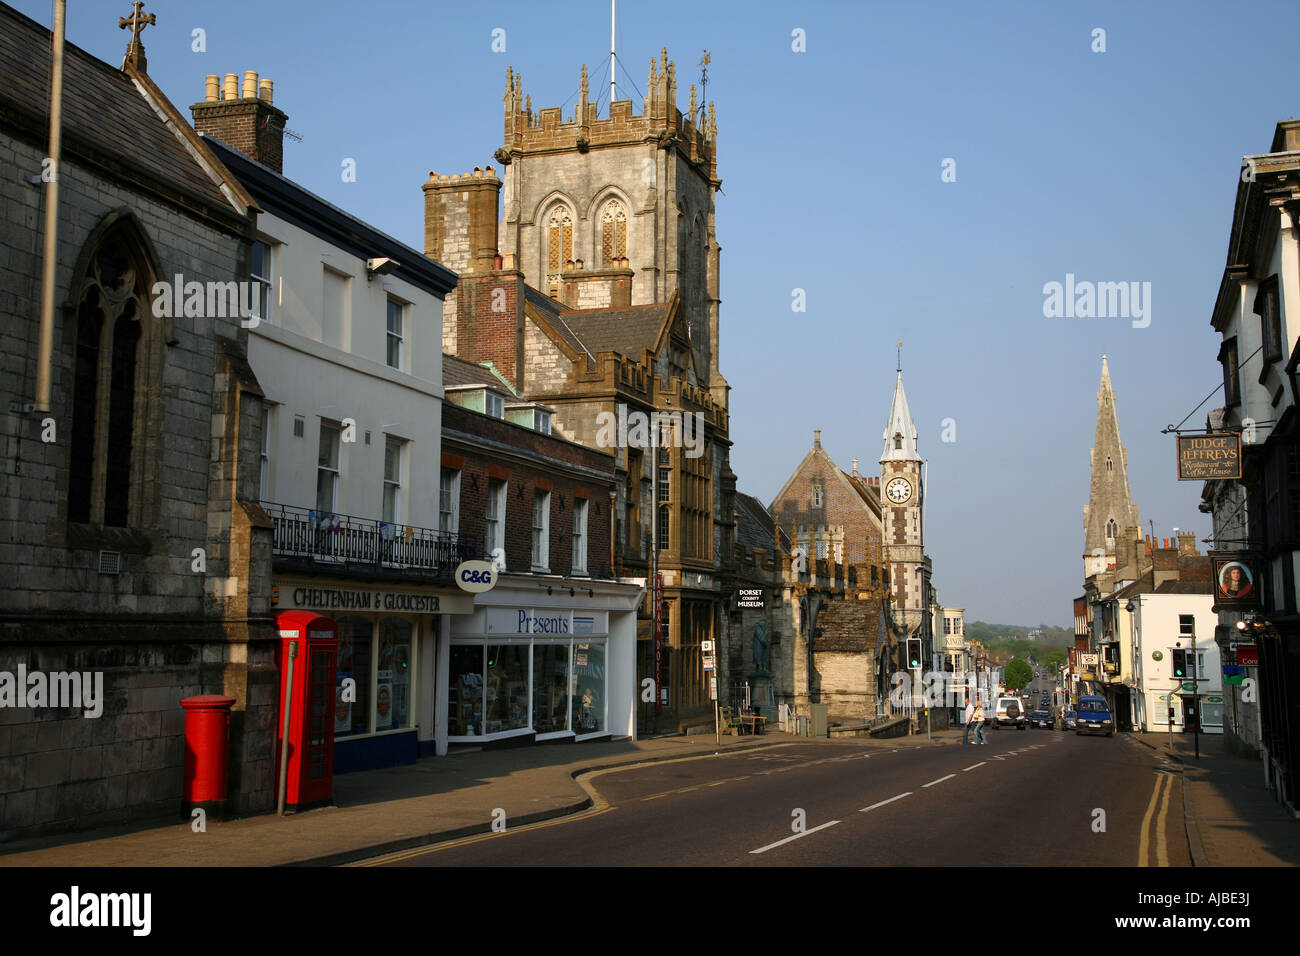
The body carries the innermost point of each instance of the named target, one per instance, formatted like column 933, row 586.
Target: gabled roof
column 755, row 527
column 627, row 331
column 458, row 371
column 116, row 121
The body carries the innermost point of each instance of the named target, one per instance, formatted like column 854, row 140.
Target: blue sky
column 1114, row 166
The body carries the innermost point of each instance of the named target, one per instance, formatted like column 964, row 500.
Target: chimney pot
column 267, row 91
column 250, row 84
column 230, row 87
column 212, row 88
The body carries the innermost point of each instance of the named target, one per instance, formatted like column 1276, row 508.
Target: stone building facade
column 132, row 547
column 595, row 294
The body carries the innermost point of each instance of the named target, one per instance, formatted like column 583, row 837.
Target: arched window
column 1112, row 529
column 1108, row 463
column 115, row 337
column 559, row 245
column 613, row 232
column 898, row 440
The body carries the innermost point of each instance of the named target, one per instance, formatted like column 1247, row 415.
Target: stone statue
column 760, row 649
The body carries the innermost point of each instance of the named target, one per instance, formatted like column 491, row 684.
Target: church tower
column 901, row 496
column 1110, row 511
column 590, row 202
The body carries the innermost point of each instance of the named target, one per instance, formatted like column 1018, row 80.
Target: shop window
column 393, row 675
column 465, row 691
column 579, row 536
column 352, row 716
column 550, row 688
column 505, row 688
column 588, row 688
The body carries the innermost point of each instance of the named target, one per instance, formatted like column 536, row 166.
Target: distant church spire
column 1110, row 511
column 900, row 433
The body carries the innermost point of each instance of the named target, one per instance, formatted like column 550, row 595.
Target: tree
column 1018, row 674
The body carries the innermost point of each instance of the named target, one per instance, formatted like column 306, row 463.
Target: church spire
column 900, row 434
column 1110, row 511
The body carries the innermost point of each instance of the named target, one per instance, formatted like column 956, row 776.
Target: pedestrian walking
column 966, row 719
column 978, row 718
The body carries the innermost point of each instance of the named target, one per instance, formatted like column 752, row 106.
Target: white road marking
column 883, row 802
column 973, row 766
column 764, row 849
column 940, row 780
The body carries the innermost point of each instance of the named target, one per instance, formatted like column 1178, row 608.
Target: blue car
column 1093, row 717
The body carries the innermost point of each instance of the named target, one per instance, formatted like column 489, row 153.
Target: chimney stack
column 247, row 123
column 460, row 220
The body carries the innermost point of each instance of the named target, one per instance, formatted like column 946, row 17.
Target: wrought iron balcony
column 320, row 541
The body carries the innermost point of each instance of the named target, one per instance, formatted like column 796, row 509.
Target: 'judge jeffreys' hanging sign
column 1203, row 457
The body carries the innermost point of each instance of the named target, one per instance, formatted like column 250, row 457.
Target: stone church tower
column 1110, row 511
column 901, row 496
column 628, row 197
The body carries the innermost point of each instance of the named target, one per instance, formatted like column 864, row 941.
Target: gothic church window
column 898, row 440
column 559, row 245
column 1108, row 463
column 111, row 370
column 1112, row 529
column 613, row 232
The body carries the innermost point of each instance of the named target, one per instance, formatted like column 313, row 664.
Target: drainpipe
column 45, row 345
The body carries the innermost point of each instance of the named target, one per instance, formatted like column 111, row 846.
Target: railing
column 346, row 542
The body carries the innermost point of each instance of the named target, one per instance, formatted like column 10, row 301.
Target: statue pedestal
column 760, row 696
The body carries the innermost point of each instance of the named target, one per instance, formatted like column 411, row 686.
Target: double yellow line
column 1159, row 794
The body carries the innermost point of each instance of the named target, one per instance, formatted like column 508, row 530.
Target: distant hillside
column 1046, row 635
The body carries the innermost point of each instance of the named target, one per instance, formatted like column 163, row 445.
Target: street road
column 1027, row 798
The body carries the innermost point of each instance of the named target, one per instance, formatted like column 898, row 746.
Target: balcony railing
column 343, row 543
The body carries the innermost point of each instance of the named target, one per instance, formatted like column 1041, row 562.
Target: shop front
column 388, row 640
column 531, row 666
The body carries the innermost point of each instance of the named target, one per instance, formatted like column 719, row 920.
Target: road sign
column 708, row 662
column 706, row 647
column 713, row 688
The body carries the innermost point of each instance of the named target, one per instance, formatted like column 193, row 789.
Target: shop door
column 1191, row 719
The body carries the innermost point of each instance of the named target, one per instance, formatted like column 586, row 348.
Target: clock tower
column 901, row 496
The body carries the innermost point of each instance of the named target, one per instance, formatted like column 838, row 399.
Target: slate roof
column 106, row 120
column 755, row 527
column 458, row 371
column 627, row 331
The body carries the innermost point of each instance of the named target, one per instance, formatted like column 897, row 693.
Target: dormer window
column 898, row 440
column 542, row 421
column 494, row 406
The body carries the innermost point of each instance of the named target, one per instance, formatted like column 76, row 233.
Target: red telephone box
column 311, row 721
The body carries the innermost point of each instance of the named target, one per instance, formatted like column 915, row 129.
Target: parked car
column 1069, row 719
column 1094, row 717
column 1041, row 718
column 1008, row 712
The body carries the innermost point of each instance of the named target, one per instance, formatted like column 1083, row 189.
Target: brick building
column 133, row 548
column 550, row 651
column 595, row 295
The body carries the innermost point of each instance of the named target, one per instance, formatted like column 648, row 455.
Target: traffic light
column 913, row 652
column 1180, row 664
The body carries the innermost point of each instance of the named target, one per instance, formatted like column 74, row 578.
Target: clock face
column 899, row 490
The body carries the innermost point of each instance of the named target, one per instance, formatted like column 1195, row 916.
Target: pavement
column 1233, row 820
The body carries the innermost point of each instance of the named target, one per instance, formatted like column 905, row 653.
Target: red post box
column 310, row 770
column 207, row 753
